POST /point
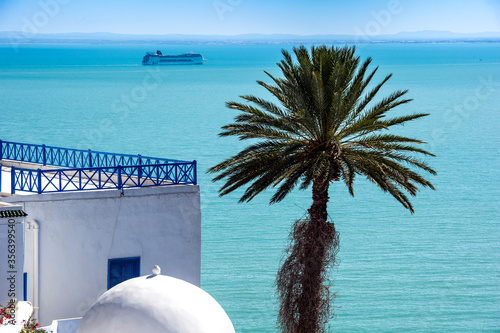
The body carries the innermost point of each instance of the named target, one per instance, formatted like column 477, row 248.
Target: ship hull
column 182, row 59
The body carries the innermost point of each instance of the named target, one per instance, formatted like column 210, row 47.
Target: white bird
column 156, row 270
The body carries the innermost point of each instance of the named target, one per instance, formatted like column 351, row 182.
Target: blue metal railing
column 90, row 170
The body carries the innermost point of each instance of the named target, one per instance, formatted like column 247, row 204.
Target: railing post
column 1, row 150
column 176, row 177
column 195, row 177
column 44, row 155
column 139, row 171
column 90, row 158
column 13, row 180
column 39, row 178
column 119, row 177
column 99, row 175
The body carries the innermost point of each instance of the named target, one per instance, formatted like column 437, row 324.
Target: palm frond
column 326, row 126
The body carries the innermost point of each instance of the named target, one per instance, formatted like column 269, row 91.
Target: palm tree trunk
column 304, row 297
column 318, row 212
column 315, row 300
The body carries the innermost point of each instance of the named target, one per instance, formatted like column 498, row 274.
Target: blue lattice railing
column 90, row 170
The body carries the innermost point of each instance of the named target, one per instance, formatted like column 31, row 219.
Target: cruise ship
column 181, row 59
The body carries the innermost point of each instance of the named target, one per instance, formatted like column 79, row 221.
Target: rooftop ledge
column 29, row 168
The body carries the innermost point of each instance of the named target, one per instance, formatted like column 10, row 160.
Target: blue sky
column 230, row 17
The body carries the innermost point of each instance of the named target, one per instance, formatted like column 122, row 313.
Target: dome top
column 156, row 303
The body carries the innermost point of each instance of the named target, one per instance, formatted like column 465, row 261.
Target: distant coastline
column 19, row 37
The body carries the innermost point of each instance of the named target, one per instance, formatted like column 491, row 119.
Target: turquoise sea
column 435, row 271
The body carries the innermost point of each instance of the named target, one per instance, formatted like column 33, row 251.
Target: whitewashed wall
column 79, row 231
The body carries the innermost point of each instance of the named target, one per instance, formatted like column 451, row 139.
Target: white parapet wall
column 70, row 237
column 63, row 326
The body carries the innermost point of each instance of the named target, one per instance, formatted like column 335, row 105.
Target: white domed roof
column 155, row 303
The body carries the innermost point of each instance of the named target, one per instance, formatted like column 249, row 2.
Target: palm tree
column 327, row 127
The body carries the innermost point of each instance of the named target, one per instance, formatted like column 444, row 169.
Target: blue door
column 122, row 269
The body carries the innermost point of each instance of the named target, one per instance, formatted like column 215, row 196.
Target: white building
column 93, row 220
